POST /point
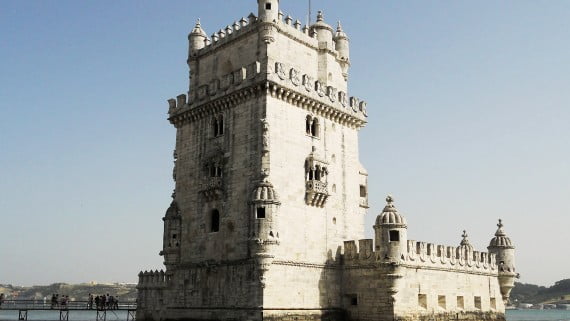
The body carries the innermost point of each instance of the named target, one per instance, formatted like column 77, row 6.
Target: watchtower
column 268, row 182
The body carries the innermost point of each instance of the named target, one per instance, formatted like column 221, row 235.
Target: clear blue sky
column 469, row 106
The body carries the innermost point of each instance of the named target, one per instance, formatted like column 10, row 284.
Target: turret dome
column 321, row 24
column 465, row 244
column 198, row 31
column 172, row 211
column 501, row 239
column 264, row 193
column 390, row 215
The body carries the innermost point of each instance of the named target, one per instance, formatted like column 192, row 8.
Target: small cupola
column 465, row 244
column 264, row 193
column 323, row 31
column 342, row 43
column 197, row 37
column 501, row 239
column 390, row 216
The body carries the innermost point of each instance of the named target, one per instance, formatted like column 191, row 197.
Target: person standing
column 90, row 302
column 1, row 299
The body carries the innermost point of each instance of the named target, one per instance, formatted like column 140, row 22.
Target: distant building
column 267, row 218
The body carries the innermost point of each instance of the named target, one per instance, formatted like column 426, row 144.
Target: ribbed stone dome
column 172, row 211
column 264, row 192
column 465, row 242
column 390, row 215
column 501, row 239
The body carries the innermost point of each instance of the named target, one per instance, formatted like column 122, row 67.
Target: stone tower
column 502, row 246
column 267, row 216
column 268, row 179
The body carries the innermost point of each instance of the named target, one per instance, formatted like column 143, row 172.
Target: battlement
column 227, row 34
column 293, row 28
column 152, row 279
column 425, row 255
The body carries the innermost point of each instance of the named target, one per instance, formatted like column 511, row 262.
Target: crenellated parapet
column 423, row 255
column 429, row 255
column 153, row 280
column 283, row 82
column 302, row 88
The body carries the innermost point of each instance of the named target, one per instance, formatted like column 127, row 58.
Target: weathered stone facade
column 270, row 194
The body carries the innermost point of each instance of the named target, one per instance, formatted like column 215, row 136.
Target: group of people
column 103, row 302
column 57, row 301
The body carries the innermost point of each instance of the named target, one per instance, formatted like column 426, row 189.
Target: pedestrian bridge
column 26, row 307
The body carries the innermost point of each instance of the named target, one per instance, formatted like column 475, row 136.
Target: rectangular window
column 351, row 299
column 477, row 300
column 268, row 6
column 394, row 236
column 362, row 191
column 441, row 301
column 261, row 212
column 460, row 303
column 493, row 303
column 422, row 301
column 215, row 221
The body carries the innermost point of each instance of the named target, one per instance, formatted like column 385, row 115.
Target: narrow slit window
column 422, row 301
column 215, row 221
column 477, row 300
column 441, row 301
column 460, row 302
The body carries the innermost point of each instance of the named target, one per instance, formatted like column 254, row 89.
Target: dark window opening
column 218, row 126
column 394, row 236
column 268, row 6
column 215, row 171
column 215, row 221
column 174, row 236
column 308, row 125
column 362, row 191
column 261, row 212
column 353, row 300
column 315, row 128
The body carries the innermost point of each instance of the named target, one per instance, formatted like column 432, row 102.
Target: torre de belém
column 267, row 217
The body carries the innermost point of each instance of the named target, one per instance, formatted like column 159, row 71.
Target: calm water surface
column 512, row 315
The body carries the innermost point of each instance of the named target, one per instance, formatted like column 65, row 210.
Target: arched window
column 308, row 124
column 215, row 221
column 218, row 125
column 315, row 128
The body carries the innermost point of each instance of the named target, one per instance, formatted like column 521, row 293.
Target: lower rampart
column 463, row 316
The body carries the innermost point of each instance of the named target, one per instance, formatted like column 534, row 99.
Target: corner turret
column 323, row 31
column 504, row 249
column 391, row 233
column 343, row 47
column 263, row 234
column 171, row 238
column 268, row 10
column 197, row 38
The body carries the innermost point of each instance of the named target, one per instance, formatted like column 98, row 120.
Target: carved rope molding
column 185, row 114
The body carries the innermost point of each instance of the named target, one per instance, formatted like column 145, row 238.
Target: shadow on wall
column 330, row 289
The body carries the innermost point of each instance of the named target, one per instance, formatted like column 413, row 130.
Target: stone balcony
column 212, row 189
column 316, row 193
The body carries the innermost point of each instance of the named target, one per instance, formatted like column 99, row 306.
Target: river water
column 512, row 315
